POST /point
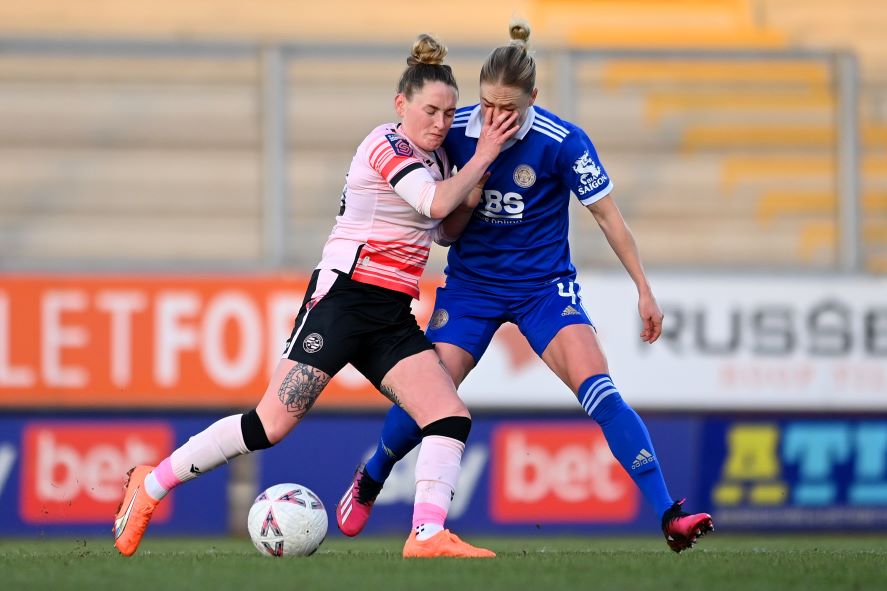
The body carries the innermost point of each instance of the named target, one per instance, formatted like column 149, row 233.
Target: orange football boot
column 134, row 512
column 443, row 544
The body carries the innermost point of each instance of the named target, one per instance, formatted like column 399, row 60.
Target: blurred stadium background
column 169, row 172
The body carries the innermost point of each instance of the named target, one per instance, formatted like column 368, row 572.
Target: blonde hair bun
column 519, row 30
column 427, row 50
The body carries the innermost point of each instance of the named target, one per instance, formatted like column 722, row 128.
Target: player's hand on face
column 496, row 131
column 651, row 318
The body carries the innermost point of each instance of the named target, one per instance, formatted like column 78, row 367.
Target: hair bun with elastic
column 427, row 50
column 519, row 31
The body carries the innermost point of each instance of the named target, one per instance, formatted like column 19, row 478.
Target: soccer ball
column 287, row 520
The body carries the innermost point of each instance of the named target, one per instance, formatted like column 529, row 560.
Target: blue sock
column 627, row 437
column 400, row 435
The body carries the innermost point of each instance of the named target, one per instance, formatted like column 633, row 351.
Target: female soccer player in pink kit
column 398, row 194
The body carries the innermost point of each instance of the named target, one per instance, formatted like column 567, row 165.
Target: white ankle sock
column 154, row 489
column 427, row 530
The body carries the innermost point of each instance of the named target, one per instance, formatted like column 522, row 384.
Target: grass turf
column 719, row 562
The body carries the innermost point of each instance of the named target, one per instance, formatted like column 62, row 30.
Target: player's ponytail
column 425, row 64
column 512, row 64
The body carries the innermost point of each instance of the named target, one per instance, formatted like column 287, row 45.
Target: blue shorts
column 467, row 315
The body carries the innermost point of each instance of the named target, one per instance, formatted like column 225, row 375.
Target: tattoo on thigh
column 300, row 389
column 389, row 393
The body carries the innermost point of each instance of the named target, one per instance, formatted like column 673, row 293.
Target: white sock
column 427, row 530
column 212, row 447
column 154, row 489
column 437, row 470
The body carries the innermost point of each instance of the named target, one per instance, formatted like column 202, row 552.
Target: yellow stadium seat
column 719, row 136
column 877, row 264
column 707, row 136
column 776, row 203
column 822, row 234
column 380, row 21
column 652, row 23
column 619, row 72
column 742, row 168
column 660, row 104
column 875, row 232
column 815, row 236
column 682, row 38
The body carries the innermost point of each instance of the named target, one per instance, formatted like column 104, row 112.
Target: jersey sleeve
column 581, row 168
column 438, row 236
column 393, row 158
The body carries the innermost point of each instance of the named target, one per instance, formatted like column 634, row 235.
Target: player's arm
column 454, row 224
column 437, row 199
column 621, row 240
column 586, row 177
column 455, row 190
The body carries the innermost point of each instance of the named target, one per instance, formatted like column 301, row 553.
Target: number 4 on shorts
column 567, row 293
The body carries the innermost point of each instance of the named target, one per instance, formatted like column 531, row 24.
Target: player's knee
column 451, row 407
column 458, row 409
column 455, row 427
column 255, row 437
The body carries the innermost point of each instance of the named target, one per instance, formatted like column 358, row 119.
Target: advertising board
column 64, row 475
column 759, row 343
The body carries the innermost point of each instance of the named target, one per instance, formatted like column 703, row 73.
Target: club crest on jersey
column 440, row 318
column 524, row 176
column 313, row 343
column 591, row 175
column 400, row 146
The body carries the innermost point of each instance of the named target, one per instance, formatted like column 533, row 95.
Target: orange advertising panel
column 164, row 340
column 558, row 474
column 72, row 473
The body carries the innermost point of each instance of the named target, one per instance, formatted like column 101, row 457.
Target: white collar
column 476, row 121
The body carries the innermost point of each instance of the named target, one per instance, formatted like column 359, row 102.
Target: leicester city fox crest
column 524, row 176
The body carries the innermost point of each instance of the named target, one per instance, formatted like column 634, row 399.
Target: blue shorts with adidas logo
column 467, row 314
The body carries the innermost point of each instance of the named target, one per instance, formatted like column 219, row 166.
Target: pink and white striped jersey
column 383, row 232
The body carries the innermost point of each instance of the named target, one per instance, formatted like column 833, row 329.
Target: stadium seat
column 652, row 23
column 741, row 169
column 617, row 73
column 674, row 103
column 877, row 264
column 775, row 203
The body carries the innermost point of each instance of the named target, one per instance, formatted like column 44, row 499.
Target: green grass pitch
column 719, row 562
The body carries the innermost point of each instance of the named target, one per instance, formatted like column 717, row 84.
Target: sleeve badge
column 400, row 146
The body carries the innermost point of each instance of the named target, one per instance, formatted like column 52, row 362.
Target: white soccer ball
column 287, row 520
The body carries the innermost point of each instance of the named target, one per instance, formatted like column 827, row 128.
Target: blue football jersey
column 519, row 231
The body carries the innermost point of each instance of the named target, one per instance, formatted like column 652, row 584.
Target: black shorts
column 370, row 327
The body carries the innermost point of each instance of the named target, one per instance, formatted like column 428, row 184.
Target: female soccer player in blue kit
column 512, row 264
